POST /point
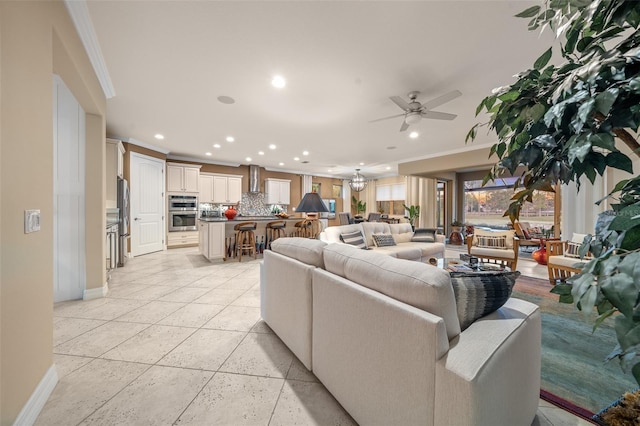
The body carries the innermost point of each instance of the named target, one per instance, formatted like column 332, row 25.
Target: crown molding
column 79, row 13
column 202, row 161
column 141, row 144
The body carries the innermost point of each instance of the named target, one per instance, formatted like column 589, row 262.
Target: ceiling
column 169, row 61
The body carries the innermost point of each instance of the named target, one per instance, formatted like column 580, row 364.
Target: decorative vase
column 230, row 213
column 540, row 255
column 455, row 237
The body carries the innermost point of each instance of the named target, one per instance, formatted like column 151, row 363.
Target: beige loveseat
column 383, row 337
column 402, row 234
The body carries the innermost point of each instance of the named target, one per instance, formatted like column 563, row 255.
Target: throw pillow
column 424, row 235
column 354, row 238
column 572, row 250
column 383, row 240
column 480, row 293
column 497, row 242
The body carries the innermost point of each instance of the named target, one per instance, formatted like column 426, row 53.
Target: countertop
column 246, row 219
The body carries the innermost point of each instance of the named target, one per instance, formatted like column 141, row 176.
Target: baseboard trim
column 95, row 293
column 38, row 398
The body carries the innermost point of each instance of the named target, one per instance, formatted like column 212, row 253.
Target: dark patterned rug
column 573, row 366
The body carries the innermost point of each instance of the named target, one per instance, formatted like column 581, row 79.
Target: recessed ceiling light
column 362, row 164
column 278, row 82
column 414, row 135
column 305, row 152
column 272, row 146
column 216, row 145
column 248, row 159
column 226, row 100
column 260, row 152
column 230, row 139
column 280, row 164
column 159, row 136
column 207, row 153
column 296, row 158
column 388, row 168
column 330, row 170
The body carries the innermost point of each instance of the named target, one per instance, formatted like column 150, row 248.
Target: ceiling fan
column 414, row 111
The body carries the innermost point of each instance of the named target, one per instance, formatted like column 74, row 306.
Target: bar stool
column 245, row 239
column 302, row 229
column 275, row 230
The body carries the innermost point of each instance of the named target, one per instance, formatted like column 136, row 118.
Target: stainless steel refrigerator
column 123, row 230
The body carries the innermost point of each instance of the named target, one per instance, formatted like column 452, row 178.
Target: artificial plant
column 359, row 206
column 413, row 212
column 563, row 122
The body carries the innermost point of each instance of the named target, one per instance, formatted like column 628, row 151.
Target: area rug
column 574, row 373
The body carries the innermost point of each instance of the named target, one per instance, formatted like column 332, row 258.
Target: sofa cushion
column 569, row 262
column 331, row 234
column 424, row 235
column 414, row 283
column 371, row 228
column 305, row 250
column 354, row 238
column 481, row 232
column 401, row 251
column 404, row 237
column 481, row 251
column 479, row 294
column 383, row 240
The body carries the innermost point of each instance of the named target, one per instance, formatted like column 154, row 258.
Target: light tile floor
column 179, row 340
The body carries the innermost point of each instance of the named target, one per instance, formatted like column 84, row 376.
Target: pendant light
column 358, row 182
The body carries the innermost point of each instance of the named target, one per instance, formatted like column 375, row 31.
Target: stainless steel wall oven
column 183, row 213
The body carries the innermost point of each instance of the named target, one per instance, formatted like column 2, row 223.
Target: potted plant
column 413, row 213
column 358, row 206
column 563, row 122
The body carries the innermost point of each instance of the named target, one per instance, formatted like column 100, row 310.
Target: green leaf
column 603, row 140
column 509, row 96
column 621, row 291
column 584, row 43
column 528, row 13
column 579, row 150
column 472, row 134
column 619, row 161
column 631, row 240
column 634, row 85
column 627, row 332
column 603, row 317
column 535, row 113
column 479, row 107
column 542, row 60
column 545, row 141
column 630, row 265
column 501, row 148
column 605, row 100
column 635, row 370
column 626, row 218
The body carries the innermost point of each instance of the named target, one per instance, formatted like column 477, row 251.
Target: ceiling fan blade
column 404, row 126
column 386, row 118
column 401, row 103
column 434, row 103
column 438, row 115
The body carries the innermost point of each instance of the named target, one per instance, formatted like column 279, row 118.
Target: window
column 440, row 205
column 390, row 199
column 485, row 206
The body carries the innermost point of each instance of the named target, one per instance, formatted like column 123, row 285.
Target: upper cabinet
column 183, row 177
column 227, row 189
column 278, row 191
column 114, row 160
column 206, row 188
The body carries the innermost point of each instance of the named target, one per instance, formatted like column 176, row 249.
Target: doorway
column 147, row 204
column 69, row 263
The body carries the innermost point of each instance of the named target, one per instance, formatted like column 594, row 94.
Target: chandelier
column 358, row 182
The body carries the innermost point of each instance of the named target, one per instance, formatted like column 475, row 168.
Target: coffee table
column 452, row 264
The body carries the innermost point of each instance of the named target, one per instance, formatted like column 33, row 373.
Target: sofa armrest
column 555, row 248
column 491, row 374
column 440, row 238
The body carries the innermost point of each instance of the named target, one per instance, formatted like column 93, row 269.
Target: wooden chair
column 345, row 218
column 488, row 253
column 373, row 217
column 275, row 230
column 525, row 240
column 561, row 262
column 302, row 229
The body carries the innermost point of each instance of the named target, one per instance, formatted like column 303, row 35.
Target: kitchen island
column 217, row 236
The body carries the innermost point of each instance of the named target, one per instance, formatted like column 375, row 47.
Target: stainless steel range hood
column 254, row 178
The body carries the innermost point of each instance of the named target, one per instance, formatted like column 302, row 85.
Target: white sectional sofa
column 383, row 336
column 402, row 234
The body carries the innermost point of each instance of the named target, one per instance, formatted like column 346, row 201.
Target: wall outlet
column 31, row 221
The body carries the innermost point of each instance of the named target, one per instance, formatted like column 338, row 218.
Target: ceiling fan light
column 358, row 182
column 412, row 118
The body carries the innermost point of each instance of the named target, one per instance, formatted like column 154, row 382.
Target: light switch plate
column 31, row 221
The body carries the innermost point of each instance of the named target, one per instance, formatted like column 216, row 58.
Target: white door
column 69, row 277
column 147, row 204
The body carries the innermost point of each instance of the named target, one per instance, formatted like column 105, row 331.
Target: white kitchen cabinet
column 206, row 188
column 114, row 168
column 182, row 239
column 182, row 178
column 227, row 189
column 278, row 191
column 211, row 241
